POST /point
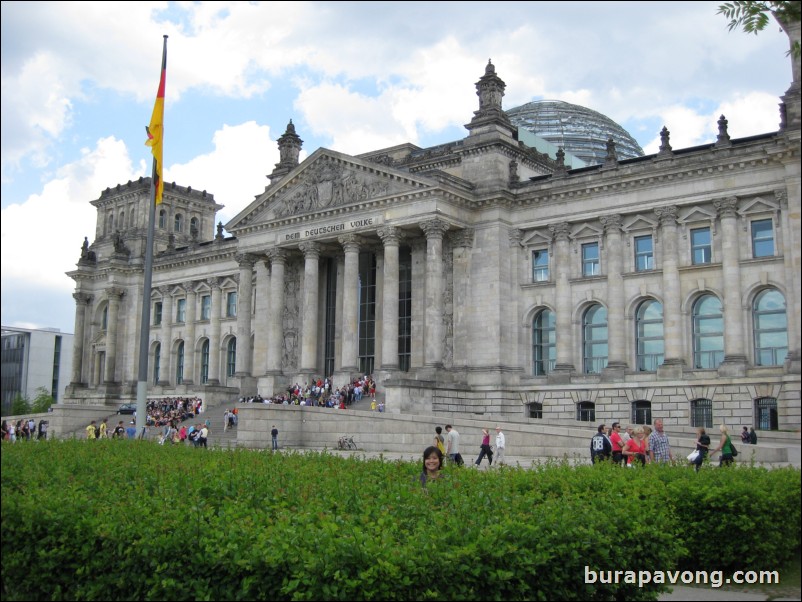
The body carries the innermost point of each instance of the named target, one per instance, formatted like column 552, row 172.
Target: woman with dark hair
column 432, row 464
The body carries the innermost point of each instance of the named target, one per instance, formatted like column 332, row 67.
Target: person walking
column 725, row 447
column 484, row 449
column 90, row 431
column 452, row 446
column 439, row 440
column 501, row 444
column 659, row 448
column 274, row 436
column 618, row 443
column 702, row 446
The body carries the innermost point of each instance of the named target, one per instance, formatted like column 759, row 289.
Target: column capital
column 164, row 289
column 434, row 228
column 390, row 235
column 189, row 286
column 667, row 215
column 214, row 283
column 245, row 260
column 726, row 207
column 781, row 196
column 311, row 250
column 463, row 238
column 115, row 292
column 350, row 242
column 612, row 223
column 515, row 236
column 560, row 231
column 277, row 256
column 82, row 298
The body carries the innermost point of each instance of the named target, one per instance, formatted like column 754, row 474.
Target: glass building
column 577, row 130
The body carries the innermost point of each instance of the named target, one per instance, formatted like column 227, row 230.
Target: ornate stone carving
column 390, row 235
column 82, row 298
column 726, row 207
column 462, row 238
column 328, row 184
column 277, row 255
column 434, row 228
column 560, row 231
column 667, row 216
column 245, row 260
column 350, row 242
column 311, row 250
column 612, row 223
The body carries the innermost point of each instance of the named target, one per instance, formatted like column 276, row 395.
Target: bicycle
column 346, row 442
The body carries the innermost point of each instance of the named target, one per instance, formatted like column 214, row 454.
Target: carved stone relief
column 291, row 323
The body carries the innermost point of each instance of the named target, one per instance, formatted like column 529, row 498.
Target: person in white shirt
column 501, row 443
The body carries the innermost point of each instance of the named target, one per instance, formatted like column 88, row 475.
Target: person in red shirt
column 635, row 449
column 618, row 443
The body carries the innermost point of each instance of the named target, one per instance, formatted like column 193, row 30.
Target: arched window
column 649, row 329
column 179, row 364
column 708, row 333
column 702, row 413
column 157, row 360
column 110, row 224
column 121, row 221
column 162, row 219
column 231, row 357
column 586, row 411
column 594, row 344
column 766, row 414
column 104, row 319
column 544, row 342
column 194, row 228
column 642, row 412
column 771, row 328
column 204, row 374
column 179, row 222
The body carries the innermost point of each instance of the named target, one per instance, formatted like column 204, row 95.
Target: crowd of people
column 320, row 392
column 641, row 445
column 24, row 429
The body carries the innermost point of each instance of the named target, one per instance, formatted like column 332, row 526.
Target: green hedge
column 119, row 520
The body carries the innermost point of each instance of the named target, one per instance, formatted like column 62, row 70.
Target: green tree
column 20, row 405
column 753, row 17
column 43, row 401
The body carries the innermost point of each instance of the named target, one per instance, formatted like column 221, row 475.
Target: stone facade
column 478, row 277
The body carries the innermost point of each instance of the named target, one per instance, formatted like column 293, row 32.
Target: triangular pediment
column 639, row 222
column 759, row 205
column 327, row 181
column 696, row 214
column 536, row 238
column 585, row 231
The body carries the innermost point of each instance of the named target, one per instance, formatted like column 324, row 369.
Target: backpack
column 734, row 451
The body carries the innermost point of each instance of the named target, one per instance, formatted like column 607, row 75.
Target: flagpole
column 144, row 328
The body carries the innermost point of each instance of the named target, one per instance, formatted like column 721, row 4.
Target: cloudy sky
column 79, row 80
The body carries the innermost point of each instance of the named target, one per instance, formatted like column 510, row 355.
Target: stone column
column 461, row 245
column 114, row 295
column 189, row 339
column 278, row 262
column 790, row 232
column 82, row 301
column 672, row 314
column 616, row 339
column 214, row 331
column 261, row 318
column 434, row 331
column 734, row 351
column 350, row 331
column 246, row 262
column 390, row 237
column 166, row 369
column 311, row 302
column 563, row 303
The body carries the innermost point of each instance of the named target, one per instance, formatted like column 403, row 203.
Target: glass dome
column 578, row 130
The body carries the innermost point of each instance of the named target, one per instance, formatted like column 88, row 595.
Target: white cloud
column 47, row 229
column 235, row 171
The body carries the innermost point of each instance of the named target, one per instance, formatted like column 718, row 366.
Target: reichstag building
column 478, row 277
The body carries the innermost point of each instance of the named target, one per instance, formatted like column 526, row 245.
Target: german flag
column 155, row 130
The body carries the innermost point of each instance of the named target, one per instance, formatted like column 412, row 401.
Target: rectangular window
column 181, row 311
column 231, row 305
column 701, row 247
column 206, row 307
column 157, row 313
column 540, row 266
column 644, row 253
column 590, row 259
column 762, row 238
